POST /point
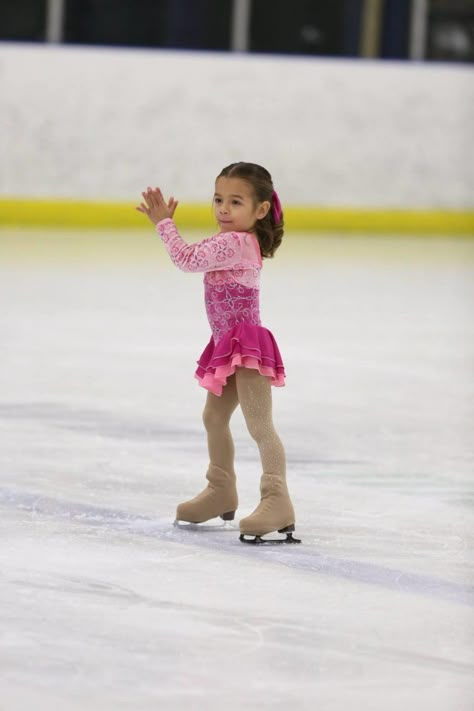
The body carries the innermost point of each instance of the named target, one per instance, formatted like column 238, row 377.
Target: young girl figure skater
column 242, row 360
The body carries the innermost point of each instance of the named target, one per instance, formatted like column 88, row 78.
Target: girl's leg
column 219, row 498
column 216, row 418
column 275, row 510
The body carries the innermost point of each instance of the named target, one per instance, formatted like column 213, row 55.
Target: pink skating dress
column 231, row 262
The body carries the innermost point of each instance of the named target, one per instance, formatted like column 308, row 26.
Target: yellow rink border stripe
column 85, row 214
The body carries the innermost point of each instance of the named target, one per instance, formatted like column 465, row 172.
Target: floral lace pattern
column 246, row 277
column 232, row 274
column 226, row 250
column 229, row 304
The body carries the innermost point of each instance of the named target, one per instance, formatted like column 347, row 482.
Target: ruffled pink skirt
column 244, row 345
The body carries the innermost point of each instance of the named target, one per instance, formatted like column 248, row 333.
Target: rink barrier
column 17, row 212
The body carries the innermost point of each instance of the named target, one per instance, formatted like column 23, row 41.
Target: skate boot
column 219, row 498
column 274, row 513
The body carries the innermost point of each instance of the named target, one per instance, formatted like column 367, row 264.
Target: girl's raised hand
column 155, row 207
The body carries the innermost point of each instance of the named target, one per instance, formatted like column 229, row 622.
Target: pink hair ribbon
column 277, row 212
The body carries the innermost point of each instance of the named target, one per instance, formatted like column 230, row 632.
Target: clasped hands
column 155, row 207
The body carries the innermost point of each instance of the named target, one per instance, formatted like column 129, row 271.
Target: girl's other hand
column 155, row 207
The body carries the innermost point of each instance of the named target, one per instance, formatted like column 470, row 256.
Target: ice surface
column 105, row 605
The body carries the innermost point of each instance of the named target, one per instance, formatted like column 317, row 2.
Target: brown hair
column 269, row 232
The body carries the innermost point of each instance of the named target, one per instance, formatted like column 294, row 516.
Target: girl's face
column 235, row 207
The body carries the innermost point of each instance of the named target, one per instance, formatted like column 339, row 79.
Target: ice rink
column 105, row 605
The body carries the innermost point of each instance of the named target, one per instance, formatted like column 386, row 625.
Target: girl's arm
column 225, row 250
column 222, row 251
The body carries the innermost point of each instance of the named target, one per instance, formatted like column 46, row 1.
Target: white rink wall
column 101, row 124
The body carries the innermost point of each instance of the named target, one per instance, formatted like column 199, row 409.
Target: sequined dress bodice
column 231, row 263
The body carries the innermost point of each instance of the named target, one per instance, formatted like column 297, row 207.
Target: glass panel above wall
column 438, row 30
column 180, row 24
column 450, row 32
column 106, row 22
column 299, row 27
column 23, row 20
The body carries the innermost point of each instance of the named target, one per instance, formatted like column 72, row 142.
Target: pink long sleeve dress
column 231, row 262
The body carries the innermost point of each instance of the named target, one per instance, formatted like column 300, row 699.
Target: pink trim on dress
column 245, row 345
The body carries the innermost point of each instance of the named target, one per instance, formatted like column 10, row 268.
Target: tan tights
column 253, row 392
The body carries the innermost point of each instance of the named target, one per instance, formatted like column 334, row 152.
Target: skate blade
column 188, row 526
column 260, row 541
